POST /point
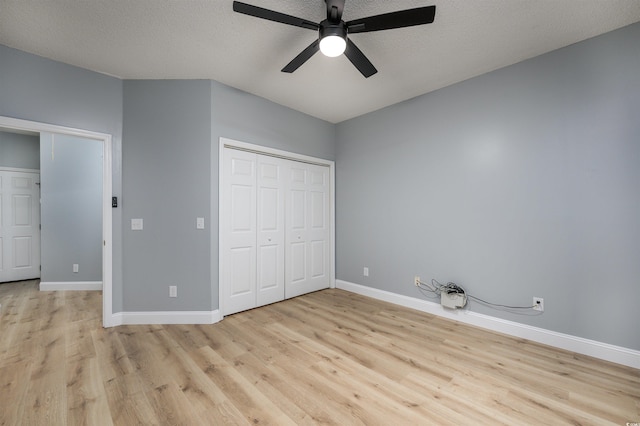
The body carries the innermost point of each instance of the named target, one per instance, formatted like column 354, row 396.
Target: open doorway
column 71, row 212
column 30, row 127
column 19, row 206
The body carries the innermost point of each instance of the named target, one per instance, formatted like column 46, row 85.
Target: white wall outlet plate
column 538, row 304
column 173, row 291
column 136, row 224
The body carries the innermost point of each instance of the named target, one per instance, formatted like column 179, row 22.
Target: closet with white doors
column 275, row 229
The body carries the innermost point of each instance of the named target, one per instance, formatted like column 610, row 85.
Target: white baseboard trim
column 71, row 285
column 165, row 317
column 605, row 351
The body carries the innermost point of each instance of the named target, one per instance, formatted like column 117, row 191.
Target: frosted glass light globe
column 333, row 46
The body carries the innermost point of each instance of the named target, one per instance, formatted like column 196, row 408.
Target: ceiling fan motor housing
column 328, row 29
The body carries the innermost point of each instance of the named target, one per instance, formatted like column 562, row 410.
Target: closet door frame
column 263, row 150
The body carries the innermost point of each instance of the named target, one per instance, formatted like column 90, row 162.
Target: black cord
column 433, row 294
column 477, row 299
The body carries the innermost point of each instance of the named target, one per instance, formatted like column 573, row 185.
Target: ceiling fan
column 333, row 32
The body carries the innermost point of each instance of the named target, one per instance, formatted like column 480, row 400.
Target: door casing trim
column 10, row 123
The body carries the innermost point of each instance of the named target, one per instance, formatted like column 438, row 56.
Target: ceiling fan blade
column 271, row 15
column 358, row 59
column 334, row 10
column 387, row 21
column 303, row 57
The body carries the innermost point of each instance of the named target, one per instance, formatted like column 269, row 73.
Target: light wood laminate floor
column 330, row 357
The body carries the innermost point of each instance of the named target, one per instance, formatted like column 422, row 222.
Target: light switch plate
column 200, row 223
column 136, row 224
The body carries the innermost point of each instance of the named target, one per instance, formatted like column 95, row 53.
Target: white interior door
column 307, row 230
column 238, row 222
column 19, row 226
column 271, row 179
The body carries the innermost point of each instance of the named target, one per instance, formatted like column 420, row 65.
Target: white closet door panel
column 241, row 279
column 238, row 222
column 298, row 175
column 297, row 262
column 243, row 166
column 270, row 170
column 318, row 233
column 318, row 210
column 318, row 259
column 307, row 230
column 241, row 203
column 241, row 276
column 268, row 267
column 270, row 232
column 271, row 213
column 298, row 210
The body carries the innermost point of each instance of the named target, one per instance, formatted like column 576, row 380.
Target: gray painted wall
column 19, row 150
column 38, row 89
column 70, row 208
column 167, row 140
column 248, row 118
column 522, row 182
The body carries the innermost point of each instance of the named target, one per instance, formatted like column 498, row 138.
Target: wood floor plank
column 302, row 407
column 86, row 400
column 329, row 357
column 240, row 391
column 13, row 389
column 112, row 356
column 135, row 410
column 172, row 407
column 193, row 381
column 45, row 402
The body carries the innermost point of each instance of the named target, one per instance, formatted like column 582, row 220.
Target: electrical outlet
column 538, row 304
column 416, row 281
column 365, row 271
column 137, row 224
column 76, row 268
column 173, row 291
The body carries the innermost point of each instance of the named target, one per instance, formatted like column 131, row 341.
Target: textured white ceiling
column 205, row 39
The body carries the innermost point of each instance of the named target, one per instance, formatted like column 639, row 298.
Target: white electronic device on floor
column 453, row 300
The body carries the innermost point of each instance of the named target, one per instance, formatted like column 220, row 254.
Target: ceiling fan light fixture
column 333, row 46
column 333, row 39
